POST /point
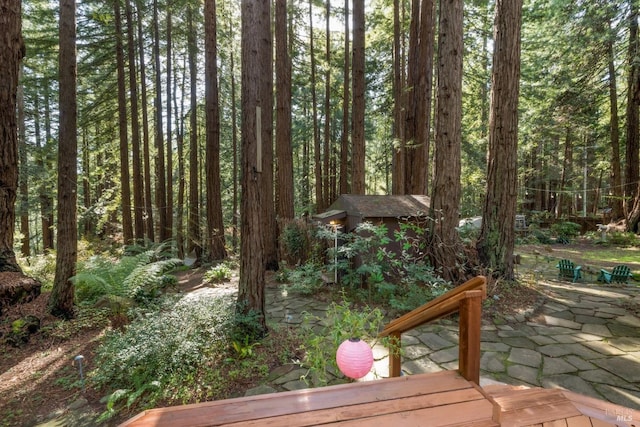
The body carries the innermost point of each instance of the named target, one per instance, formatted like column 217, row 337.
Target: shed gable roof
column 382, row 206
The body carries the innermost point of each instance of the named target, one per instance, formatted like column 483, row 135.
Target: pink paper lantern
column 354, row 358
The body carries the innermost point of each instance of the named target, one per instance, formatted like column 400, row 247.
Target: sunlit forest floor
column 40, row 380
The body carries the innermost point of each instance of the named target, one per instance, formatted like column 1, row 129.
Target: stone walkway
column 584, row 338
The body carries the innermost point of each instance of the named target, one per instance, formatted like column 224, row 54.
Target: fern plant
column 147, row 280
column 139, row 276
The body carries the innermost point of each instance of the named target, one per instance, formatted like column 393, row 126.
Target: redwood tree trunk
column 497, row 235
column 215, row 235
column 127, row 226
column 446, row 186
column 61, row 299
column 138, row 188
column 11, row 53
column 193, row 227
column 632, row 164
column 256, row 37
column 344, row 145
column 357, row 114
column 284, row 151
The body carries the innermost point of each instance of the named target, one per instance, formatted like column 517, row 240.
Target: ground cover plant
column 42, row 371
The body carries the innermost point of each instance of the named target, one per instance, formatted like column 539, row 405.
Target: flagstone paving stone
column 582, row 338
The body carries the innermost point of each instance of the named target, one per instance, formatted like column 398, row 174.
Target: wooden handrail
column 467, row 299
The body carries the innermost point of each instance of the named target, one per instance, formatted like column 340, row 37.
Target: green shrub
column 341, row 322
column 139, row 277
column 565, row 231
column 218, row 274
column 161, row 351
column 622, row 239
column 305, row 280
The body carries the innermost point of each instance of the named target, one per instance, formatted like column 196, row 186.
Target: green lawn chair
column 568, row 270
column 619, row 274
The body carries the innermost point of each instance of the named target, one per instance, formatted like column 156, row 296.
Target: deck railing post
column 395, row 360
column 470, row 322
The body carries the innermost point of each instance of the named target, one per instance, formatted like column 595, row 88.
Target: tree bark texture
column 160, row 173
column 215, row 225
column 193, row 227
column 25, row 248
column 614, row 134
column 127, row 221
column 632, row 171
column 497, row 234
column 284, row 150
column 357, row 113
column 138, row 186
column 419, row 89
column 11, row 53
column 446, row 187
column 314, row 108
column 399, row 107
column 344, row 144
column 256, row 38
column 61, row 298
column 146, row 153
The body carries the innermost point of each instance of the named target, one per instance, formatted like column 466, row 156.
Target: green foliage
column 622, row 239
column 296, row 240
column 139, row 277
column 157, row 354
column 305, row 280
column 565, row 231
column 244, row 349
column 40, row 267
column 218, row 273
column 341, row 322
column 402, row 279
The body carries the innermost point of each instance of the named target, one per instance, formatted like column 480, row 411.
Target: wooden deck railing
column 467, row 299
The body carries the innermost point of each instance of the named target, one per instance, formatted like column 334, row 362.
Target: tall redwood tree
column 61, row 299
column 11, row 53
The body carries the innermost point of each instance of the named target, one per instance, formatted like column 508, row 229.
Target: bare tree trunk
column 326, row 192
column 12, row 51
column 344, row 145
column 181, row 178
column 284, row 151
column 25, row 247
column 632, row 172
column 497, row 235
column 234, row 138
column 138, row 187
column 44, row 196
column 419, row 92
column 256, row 38
column 399, row 107
column 566, row 179
column 161, row 187
column 127, row 226
column 146, row 154
column 445, row 201
column 61, row 298
column 87, row 223
column 314, row 109
column 616, row 173
column 215, row 225
column 357, row 115
column 193, row 228
column 169, row 166
column 266, row 102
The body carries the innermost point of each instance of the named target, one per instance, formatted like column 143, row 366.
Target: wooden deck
column 438, row 399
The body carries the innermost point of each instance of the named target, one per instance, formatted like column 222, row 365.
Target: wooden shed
column 349, row 210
